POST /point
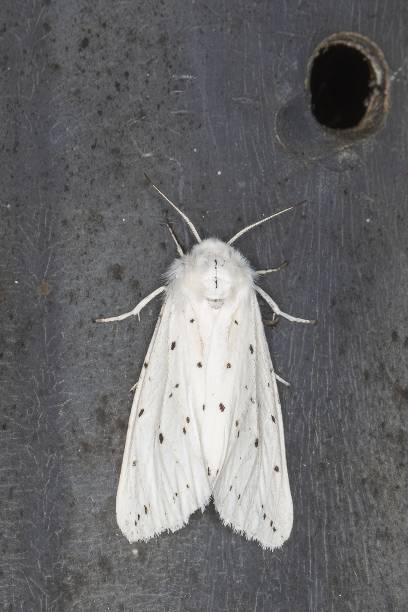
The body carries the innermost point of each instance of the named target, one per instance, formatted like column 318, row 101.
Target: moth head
column 214, row 271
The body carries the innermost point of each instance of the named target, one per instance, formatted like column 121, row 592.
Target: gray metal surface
column 208, row 98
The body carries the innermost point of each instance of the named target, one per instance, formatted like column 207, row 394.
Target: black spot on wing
column 273, row 418
column 145, row 364
column 145, row 509
column 173, row 345
column 256, row 443
column 222, row 407
column 251, row 348
column 276, row 468
column 228, row 365
column 141, row 412
column 188, row 419
column 199, row 364
column 161, row 438
column 191, row 320
column 184, row 430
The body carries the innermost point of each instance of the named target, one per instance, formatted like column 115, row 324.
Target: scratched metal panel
column 208, row 98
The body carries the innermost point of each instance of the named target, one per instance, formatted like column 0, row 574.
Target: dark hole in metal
column 340, row 85
column 349, row 84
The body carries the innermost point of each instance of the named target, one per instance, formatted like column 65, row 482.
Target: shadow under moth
column 206, row 419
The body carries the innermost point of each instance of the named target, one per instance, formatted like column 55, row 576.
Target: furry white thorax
column 213, row 271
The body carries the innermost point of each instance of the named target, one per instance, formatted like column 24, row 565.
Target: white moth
column 206, row 418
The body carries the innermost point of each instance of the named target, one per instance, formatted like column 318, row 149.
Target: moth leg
column 269, row 270
column 178, row 247
column 282, row 380
column 136, row 310
column 271, row 322
column 278, row 311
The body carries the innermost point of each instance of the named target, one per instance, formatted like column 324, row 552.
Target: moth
column 206, row 419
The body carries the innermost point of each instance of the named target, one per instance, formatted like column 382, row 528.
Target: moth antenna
column 180, row 212
column 249, row 227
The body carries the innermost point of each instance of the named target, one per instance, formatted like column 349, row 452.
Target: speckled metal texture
column 209, row 99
